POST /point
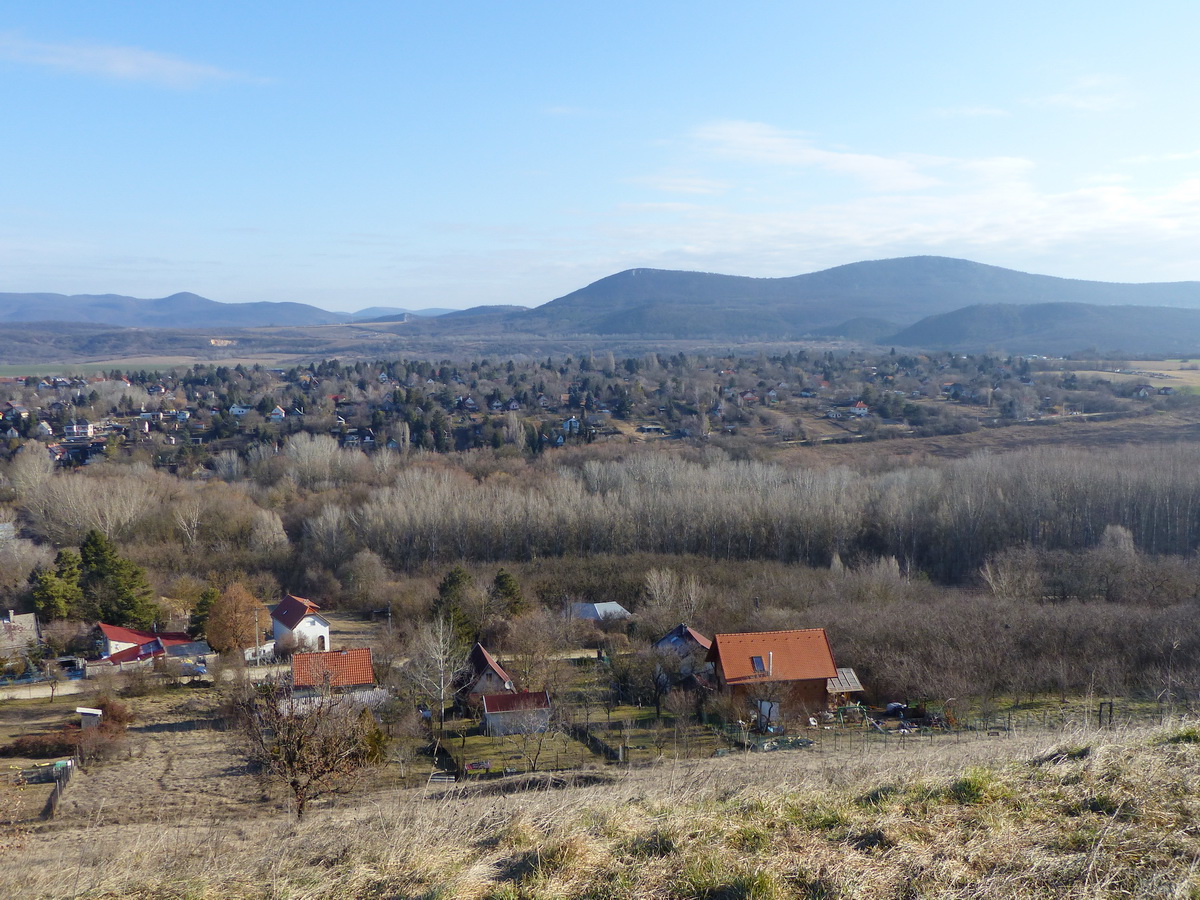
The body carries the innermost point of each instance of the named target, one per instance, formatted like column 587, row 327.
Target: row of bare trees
column 946, row 519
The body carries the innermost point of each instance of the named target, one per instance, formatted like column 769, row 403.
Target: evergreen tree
column 200, row 611
column 450, row 603
column 506, row 590
column 56, row 593
column 115, row 590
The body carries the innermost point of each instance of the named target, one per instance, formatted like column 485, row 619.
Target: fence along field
column 833, row 813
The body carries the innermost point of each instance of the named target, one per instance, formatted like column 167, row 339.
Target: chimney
column 771, row 664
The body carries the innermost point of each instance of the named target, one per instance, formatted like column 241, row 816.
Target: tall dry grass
column 1070, row 815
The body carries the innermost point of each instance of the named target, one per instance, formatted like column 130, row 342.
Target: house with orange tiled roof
column 781, row 674
column 334, row 669
column 296, row 622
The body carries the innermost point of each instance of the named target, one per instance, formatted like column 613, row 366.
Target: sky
column 464, row 153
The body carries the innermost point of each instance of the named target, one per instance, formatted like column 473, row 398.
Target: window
column 757, row 662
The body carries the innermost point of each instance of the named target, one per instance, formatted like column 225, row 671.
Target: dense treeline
column 318, row 503
column 944, row 520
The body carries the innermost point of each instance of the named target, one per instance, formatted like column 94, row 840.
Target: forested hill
column 1058, row 328
column 898, row 291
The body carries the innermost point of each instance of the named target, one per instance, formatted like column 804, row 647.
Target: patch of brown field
column 1066, row 815
column 1072, row 431
column 23, row 803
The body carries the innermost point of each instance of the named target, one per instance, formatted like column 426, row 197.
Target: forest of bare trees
column 1034, row 570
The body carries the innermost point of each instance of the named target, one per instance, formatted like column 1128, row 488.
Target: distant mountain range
column 926, row 302
column 183, row 310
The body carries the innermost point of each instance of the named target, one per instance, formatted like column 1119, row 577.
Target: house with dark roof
column 295, row 621
column 779, row 673
column 692, row 649
column 521, row 713
column 482, row 675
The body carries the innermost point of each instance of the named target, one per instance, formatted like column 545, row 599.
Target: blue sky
column 456, row 154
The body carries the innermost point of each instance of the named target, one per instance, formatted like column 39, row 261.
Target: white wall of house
column 312, row 632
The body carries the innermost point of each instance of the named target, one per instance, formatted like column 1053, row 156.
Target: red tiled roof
column 136, row 636
column 342, row 668
column 502, row 703
column 783, row 656
column 137, row 653
column 291, row 610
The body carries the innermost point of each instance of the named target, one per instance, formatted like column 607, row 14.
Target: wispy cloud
column 761, row 143
column 113, row 62
column 996, row 208
column 1095, row 93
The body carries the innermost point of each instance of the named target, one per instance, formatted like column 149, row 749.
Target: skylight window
column 757, row 662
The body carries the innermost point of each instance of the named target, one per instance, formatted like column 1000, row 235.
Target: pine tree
column 114, row 588
column 452, row 594
column 508, row 592
column 56, row 593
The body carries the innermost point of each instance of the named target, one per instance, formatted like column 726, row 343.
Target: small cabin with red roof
column 295, row 620
column 133, row 647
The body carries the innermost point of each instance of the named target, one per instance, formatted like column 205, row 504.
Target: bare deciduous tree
column 310, row 744
column 436, row 656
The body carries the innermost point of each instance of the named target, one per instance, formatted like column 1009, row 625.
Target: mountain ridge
column 921, row 302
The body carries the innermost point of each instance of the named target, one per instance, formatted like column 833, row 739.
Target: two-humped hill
column 874, row 298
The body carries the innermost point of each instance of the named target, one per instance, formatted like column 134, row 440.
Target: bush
column 44, row 745
column 116, row 716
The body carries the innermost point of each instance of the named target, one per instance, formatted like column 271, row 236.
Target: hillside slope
column 1083, row 815
column 1058, row 328
column 697, row 304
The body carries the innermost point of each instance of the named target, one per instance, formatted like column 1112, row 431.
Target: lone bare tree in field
column 436, row 657
column 311, row 744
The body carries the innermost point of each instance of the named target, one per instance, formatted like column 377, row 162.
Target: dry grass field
column 1043, row 814
column 1158, row 427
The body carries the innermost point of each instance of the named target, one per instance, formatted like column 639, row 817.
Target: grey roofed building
column 17, row 632
column 597, row 611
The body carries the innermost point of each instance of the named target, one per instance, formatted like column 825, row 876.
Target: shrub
column 44, row 745
column 116, row 715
